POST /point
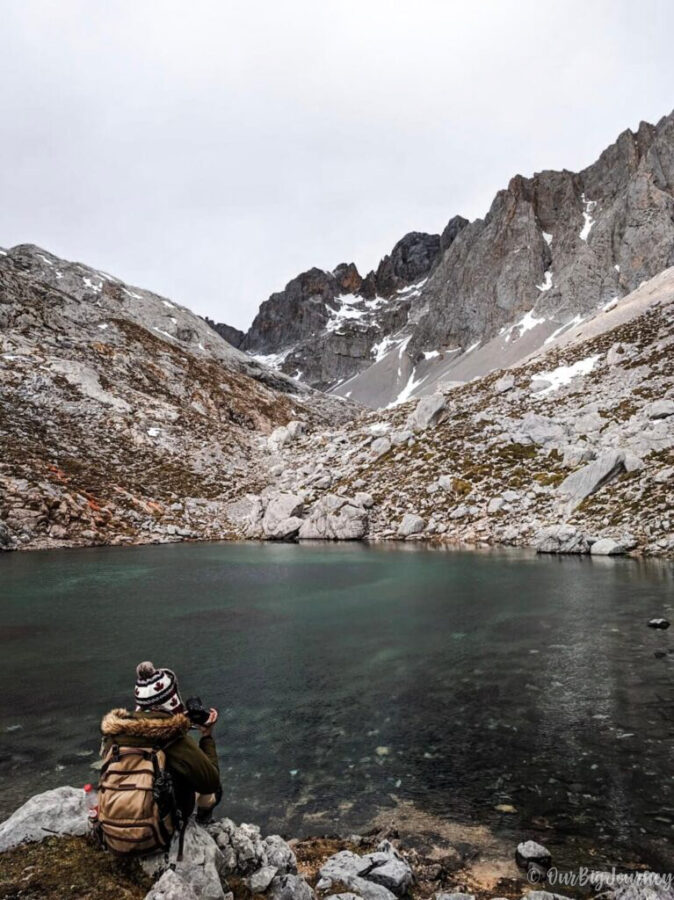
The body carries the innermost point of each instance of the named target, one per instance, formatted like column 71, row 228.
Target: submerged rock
column 658, row 623
column 529, row 852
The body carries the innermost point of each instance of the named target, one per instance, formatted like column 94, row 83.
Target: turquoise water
column 351, row 679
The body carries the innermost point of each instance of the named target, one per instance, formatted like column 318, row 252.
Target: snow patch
column 547, row 283
column 273, row 360
column 562, row 328
column 526, row 323
column 588, row 221
column 564, row 374
column 165, row 302
column 44, row 259
column 473, row 346
column 153, row 432
column 380, row 427
column 3, row 253
column 547, row 237
column 131, row 294
column 431, row 354
column 408, row 390
column 96, row 288
column 611, row 304
column 103, row 326
column 382, row 347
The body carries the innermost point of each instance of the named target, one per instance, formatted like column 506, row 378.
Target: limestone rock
column 171, row 886
column 429, row 411
column 561, row 539
column 260, row 880
column 59, row 811
column 380, row 446
column 200, row 867
column 660, row 409
column 411, row 524
column 505, row 383
column 580, row 484
column 335, row 518
column 290, row 887
column 281, row 519
column 607, row 547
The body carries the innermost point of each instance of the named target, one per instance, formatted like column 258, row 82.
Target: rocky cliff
column 552, row 250
column 123, row 416
column 570, row 451
column 324, row 327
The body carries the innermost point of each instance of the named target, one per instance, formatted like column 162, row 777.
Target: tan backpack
column 137, row 811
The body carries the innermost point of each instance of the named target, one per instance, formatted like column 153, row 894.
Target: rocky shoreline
column 45, row 844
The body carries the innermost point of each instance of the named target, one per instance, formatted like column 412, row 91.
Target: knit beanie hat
column 157, row 689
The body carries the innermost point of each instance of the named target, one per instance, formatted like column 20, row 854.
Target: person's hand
column 210, row 723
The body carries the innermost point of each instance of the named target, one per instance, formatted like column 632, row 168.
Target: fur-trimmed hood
column 159, row 727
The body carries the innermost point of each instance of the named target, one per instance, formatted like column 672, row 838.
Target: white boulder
column 335, row 518
column 580, row 484
column 607, row 547
column 429, row 411
column 59, row 811
column 411, row 524
column 281, row 519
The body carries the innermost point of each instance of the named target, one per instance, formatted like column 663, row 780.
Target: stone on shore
column 561, row 539
column 201, row 866
column 290, row 887
column 260, row 880
column 411, row 524
column 335, row 518
column 171, row 887
column 281, row 520
column 59, row 811
column 607, row 547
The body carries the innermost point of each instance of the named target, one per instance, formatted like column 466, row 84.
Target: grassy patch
column 72, row 867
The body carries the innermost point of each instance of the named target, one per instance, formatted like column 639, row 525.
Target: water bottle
column 91, row 802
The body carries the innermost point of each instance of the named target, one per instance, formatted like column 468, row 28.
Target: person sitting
column 160, row 720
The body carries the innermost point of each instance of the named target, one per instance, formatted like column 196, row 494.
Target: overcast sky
column 211, row 151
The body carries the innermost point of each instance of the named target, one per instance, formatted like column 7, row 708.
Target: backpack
column 137, row 810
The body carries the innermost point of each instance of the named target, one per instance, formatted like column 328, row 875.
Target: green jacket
column 194, row 768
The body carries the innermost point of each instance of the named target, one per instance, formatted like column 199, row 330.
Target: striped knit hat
column 157, row 689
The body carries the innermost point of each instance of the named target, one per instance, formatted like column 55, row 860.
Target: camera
column 196, row 712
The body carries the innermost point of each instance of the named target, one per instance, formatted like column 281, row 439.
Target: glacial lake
column 352, row 679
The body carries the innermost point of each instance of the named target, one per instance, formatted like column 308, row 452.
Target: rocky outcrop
column 381, row 875
column 60, row 811
column 559, row 242
column 581, row 465
column 233, row 336
column 324, row 327
column 336, row 518
column 124, row 418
